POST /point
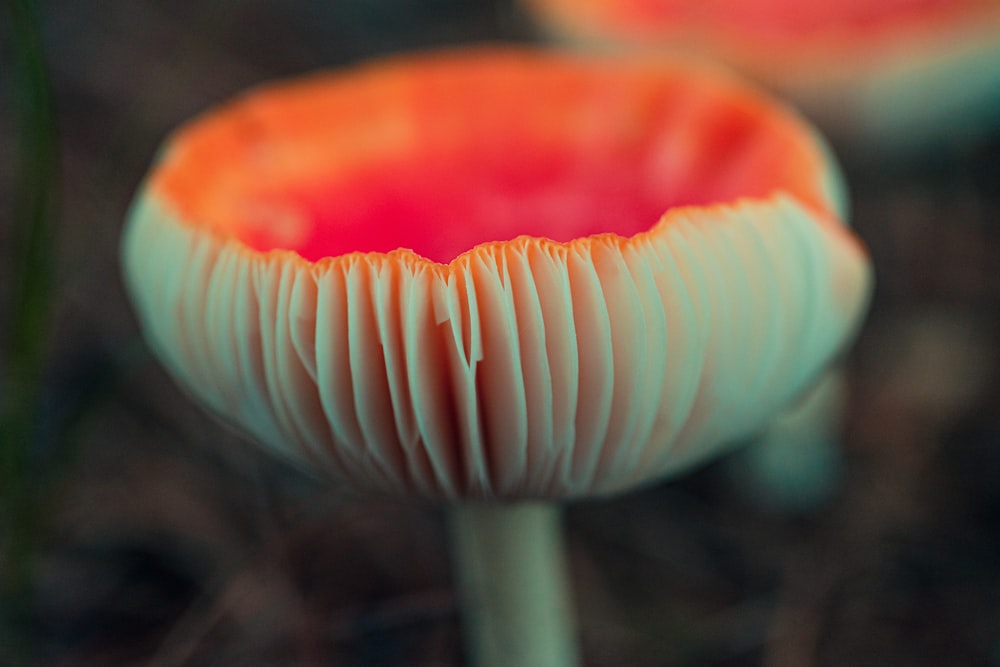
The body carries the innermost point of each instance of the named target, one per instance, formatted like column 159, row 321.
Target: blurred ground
column 177, row 543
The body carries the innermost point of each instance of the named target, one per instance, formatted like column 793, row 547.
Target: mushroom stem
column 515, row 588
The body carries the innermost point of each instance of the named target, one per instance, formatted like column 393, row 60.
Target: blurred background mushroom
column 175, row 543
column 900, row 76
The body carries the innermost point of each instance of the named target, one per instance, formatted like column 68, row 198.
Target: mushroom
column 895, row 76
column 796, row 465
column 497, row 278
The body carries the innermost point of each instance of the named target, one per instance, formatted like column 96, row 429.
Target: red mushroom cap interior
column 377, row 160
column 496, row 273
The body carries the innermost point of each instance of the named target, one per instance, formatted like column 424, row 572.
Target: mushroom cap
column 451, row 275
column 897, row 75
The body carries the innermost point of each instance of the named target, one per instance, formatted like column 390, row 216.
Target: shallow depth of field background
column 174, row 541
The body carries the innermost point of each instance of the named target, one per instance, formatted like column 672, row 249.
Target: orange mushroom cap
column 893, row 74
column 451, row 275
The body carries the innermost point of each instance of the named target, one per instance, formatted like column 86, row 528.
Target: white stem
column 516, row 602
